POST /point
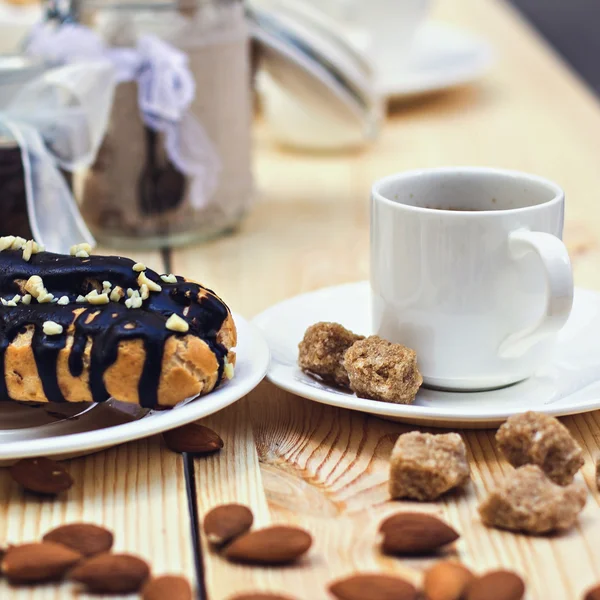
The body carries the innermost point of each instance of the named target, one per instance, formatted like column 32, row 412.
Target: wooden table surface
column 322, row 468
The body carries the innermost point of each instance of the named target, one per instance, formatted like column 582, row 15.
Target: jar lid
column 314, row 63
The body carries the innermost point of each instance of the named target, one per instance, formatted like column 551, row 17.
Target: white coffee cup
column 468, row 268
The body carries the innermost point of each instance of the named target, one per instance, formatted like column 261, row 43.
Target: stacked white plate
column 66, row 430
column 318, row 90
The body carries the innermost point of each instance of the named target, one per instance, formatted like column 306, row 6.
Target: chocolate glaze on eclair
column 106, row 325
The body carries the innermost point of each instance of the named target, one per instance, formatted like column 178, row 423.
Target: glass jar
column 15, row 72
column 134, row 195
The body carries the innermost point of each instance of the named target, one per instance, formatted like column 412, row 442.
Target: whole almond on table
column 226, row 522
column 276, row 545
column 415, row 533
column 497, row 585
column 41, row 475
column 447, row 580
column 173, row 587
column 193, row 438
column 38, row 562
column 86, row 538
column 373, row 586
column 260, row 596
column 111, row 573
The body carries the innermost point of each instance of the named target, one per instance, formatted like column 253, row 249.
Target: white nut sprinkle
column 18, row 243
column 139, row 267
column 63, row 300
column 83, row 247
column 4, row 302
column 144, row 292
column 80, row 299
column 152, row 285
column 52, row 328
column 28, row 250
column 228, row 370
column 81, row 254
column 170, row 278
column 117, row 294
column 45, row 297
column 96, row 298
column 26, row 299
column 176, row 323
column 34, row 285
column 133, row 302
column 16, row 298
column 37, row 248
column 6, row 242
column 129, row 292
column 11, row 303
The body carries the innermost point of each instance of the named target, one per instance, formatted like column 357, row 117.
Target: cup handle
column 559, row 276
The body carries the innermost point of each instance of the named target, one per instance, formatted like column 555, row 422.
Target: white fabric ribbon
column 166, row 89
column 58, row 120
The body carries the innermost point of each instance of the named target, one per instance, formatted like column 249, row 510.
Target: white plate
column 441, row 57
column 568, row 385
column 72, row 430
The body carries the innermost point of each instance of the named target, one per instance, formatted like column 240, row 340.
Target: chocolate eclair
column 84, row 328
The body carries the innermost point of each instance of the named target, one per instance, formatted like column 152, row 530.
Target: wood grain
column 136, row 490
column 325, row 469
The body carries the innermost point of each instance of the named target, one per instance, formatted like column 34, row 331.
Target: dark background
column 573, row 28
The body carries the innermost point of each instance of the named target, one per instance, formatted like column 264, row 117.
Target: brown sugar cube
column 380, row 370
column 528, row 501
column 424, row 466
column 535, row 438
column 322, row 350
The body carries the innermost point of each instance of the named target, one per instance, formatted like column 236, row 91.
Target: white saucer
column 441, row 57
column 569, row 385
column 67, row 430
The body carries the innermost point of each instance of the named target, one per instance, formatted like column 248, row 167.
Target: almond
column 173, row 587
column 415, row 533
column 274, row 545
column 86, row 538
column 259, row 596
column 41, row 475
column 497, row 585
column 374, row 587
column 111, row 573
column 193, row 438
column 226, row 522
column 446, row 581
column 593, row 593
column 37, row 562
